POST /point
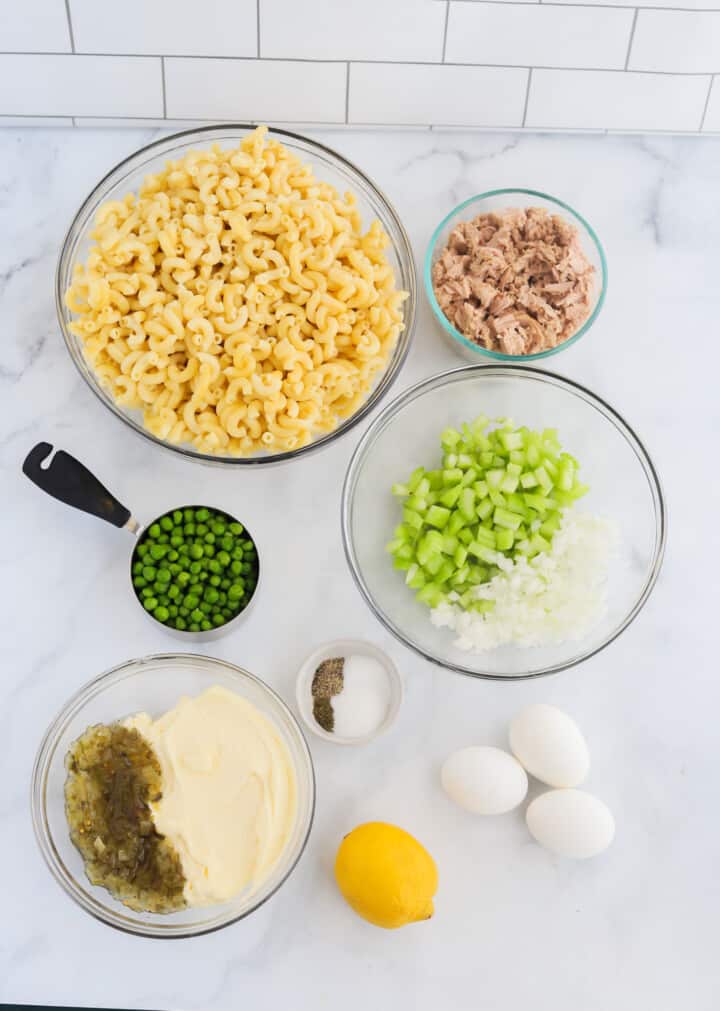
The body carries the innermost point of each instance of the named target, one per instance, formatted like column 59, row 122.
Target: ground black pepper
column 328, row 681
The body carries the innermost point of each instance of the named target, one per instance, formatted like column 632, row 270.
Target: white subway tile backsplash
column 617, row 65
column 416, row 94
column 255, row 90
column 166, row 27
column 35, row 121
column 542, row 35
column 80, row 85
column 615, row 100
column 34, row 26
column 348, row 30
column 684, row 4
column 712, row 115
column 686, row 42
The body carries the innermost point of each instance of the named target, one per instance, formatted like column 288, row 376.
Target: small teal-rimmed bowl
column 501, row 200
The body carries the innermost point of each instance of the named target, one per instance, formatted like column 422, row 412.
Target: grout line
column 164, row 90
column 632, row 36
column 257, row 25
column 347, row 92
column 445, row 30
column 391, row 63
column 707, row 103
column 70, row 27
column 527, row 97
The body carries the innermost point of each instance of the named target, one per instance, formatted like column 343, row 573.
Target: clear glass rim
column 403, row 251
column 38, row 794
column 500, row 356
column 540, row 375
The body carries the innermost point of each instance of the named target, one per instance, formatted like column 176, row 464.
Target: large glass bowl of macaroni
column 155, row 684
column 240, row 308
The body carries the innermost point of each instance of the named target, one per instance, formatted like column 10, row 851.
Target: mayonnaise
column 229, row 792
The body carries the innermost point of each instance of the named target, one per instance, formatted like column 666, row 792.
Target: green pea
column 180, row 623
column 196, row 551
column 158, row 551
column 183, row 611
column 141, row 550
column 183, row 578
column 205, row 607
column 222, row 597
column 224, row 558
column 177, row 516
column 164, row 576
column 209, row 550
column 175, row 568
column 150, row 603
column 194, row 627
column 218, row 528
column 201, row 529
column 213, row 566
column 184, row 549
column 236, row 568
column 203, row 576
column 205, row 625
column 139, row 582
column 236, row 528
column 188, row 515
column 194, row 568
column 189, row 529
column 137, row 568
column 202, row 514
column 154, row 530
column 218, row 619
column 236, row 591
column 228, row 613
column 149, row 572
column 172, row 555
column 215, row 581
column 190, row 601
column 238, row 552
column 227, row 543
column 173, row 591
column 166, row 523
column 209, row 538
column 211, row 595
column 196, row 614
column 161, row 613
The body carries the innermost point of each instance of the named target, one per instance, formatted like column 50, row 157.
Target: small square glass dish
column 496, row 202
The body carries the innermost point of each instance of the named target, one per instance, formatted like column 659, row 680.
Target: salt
column 363, row 703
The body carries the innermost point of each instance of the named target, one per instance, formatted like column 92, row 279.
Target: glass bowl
column 500, row 200
column 154, row 684
column 624, row 487
column 330, row 167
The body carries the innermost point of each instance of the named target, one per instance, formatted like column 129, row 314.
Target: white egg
column 484, row 780
column 548, row 743
column 571, row 823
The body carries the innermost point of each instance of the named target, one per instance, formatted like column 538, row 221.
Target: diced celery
column 504, row 540
column 482, row 552
column 437, row 516
column 481, row 606
column 456, row 523
column 543, row 479
column 401, row 563
column 415, row 478
column 505, row 518
column 538, row 502
column 460, row 576
column 528, row 480
column 449, row 498
column 460, row 555
column 509, row 483
column 497, row 498
column 485, row 537
column 413, row 519
column 453, row 475
column 485, row 508
column 433, row 564
column 449, row 544
column 466, row 504
column 401, row 490
column 481, row 489
column 430, row 595
column 512, row 440
column 415, row 577
column 515, row 503
column 449, row 437
column 465, row 535
column 417, row 502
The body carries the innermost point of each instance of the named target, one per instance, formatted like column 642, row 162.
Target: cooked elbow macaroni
column 236, row 301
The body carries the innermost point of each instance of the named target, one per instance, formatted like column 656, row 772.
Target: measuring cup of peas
column 194, row 570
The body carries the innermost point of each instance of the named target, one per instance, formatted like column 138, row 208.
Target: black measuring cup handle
column 67, row 480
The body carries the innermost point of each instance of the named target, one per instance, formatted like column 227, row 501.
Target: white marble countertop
column 515, row 928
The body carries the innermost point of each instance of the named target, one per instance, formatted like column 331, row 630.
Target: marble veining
column 514, row 928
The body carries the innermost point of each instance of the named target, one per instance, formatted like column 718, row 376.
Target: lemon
column 385, row 875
